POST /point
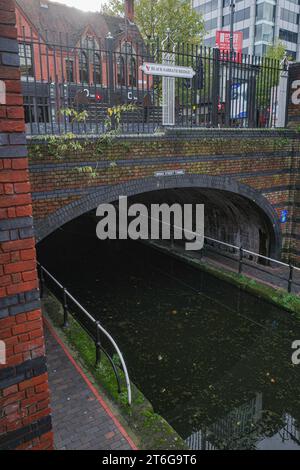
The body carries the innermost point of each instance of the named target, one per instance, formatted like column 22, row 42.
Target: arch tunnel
column 234, row 213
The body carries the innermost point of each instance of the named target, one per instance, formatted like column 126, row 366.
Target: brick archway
column 106, row 194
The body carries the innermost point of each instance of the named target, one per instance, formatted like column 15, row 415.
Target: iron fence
column 102, row 82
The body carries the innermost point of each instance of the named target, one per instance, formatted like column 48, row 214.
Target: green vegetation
column 150, row 429
column 74, row 115
column 155, row 17
column 269, row 74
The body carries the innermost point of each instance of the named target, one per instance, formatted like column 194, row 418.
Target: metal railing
column 88, row 323
column 256, row 261
column 96, row 74
column 239, row 255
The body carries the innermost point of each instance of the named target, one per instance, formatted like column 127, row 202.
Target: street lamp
column 231, row 56
column 232, row 12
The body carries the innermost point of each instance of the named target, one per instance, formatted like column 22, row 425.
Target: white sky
column 86, row 5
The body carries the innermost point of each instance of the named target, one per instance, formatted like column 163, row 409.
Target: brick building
column 63, row 50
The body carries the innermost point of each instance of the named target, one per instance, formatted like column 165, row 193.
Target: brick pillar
column 25, row 421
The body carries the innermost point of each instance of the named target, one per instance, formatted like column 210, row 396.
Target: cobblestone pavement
column 79, row 420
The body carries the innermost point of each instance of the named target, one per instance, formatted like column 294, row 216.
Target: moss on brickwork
column 148, row 429
column 265, row 160
column 111, row 145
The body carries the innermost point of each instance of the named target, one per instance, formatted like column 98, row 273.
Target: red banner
column 223, row 43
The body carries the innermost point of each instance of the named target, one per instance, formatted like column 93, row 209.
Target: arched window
column 83, row 68
column 121, row 71
column 97, row 69
column 132, row 72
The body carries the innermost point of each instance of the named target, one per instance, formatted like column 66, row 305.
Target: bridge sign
column 167, row 70
column 283, row 216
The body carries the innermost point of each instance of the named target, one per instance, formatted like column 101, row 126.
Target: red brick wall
column 264, row 161
column 24, row 396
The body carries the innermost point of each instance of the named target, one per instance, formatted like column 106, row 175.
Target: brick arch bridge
column 252, row 172
column 227, row 187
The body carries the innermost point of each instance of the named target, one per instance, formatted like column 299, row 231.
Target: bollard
column 290, row 281
column 98, row 344
column 241, row 260
column 65, row 307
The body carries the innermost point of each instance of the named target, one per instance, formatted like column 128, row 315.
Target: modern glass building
column 262, row 22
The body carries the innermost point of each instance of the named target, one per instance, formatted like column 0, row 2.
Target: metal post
column 110, row 67
column 168, row 83
column 231, row 56
column 215, row 87
column 65, row 307
column 98, row 344
column 232, row 11
column 240, row 260
column 283, row 98
column 290, row 281
column 42, row 282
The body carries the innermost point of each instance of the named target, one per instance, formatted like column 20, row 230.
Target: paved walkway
column 273, row 276
column 81, row 420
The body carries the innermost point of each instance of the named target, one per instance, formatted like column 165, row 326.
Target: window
column 291, row 54
column 289, row 36
column 240, row 15
column 26, row 65
column 260, row 50
column 207, row 7
column 211, row 24
column 226, row 20
column 264, row 32
column 265, row 11
column 70, row 70
column 245, row 32
column 132, row 72
column 36, row 109
column 121, row 71
column 226, row 3
column 83, row 68
column 289, row 16
column 97, row 69
column 210, row 42
column 29, row 109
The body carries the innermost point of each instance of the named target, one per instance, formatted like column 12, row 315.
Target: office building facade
column 262, row 22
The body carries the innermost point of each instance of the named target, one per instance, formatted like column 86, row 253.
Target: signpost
column 167, row 70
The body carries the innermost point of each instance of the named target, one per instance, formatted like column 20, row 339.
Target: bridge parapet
column 70, row 177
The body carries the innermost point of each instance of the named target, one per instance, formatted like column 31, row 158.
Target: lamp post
column 231, row 56
column 232, row 12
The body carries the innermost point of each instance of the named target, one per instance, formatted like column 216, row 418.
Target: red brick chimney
column 129, row 10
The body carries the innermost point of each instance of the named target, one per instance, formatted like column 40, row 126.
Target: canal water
column 214, row 362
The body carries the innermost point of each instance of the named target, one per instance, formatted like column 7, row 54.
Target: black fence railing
column 93, row 327
column 102, row 83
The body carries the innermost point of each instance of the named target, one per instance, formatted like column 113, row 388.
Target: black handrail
column 99, row 329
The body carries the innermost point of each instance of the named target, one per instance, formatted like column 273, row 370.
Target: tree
column 113, row 7
column 269, row 74
column 275, row 51
column 154, row 17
